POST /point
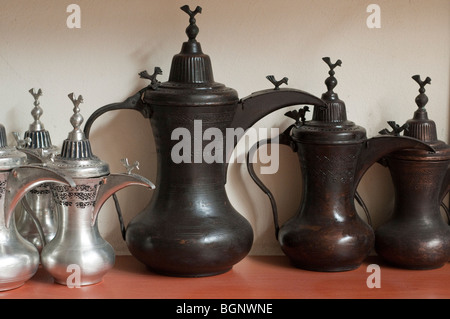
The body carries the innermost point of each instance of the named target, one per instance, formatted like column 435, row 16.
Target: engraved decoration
column 80, row 196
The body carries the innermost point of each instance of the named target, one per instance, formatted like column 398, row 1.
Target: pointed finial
column 154, row 84
column 396, row 129
column 77, row 119
column 299, row 116
column 276, row 83
column 422, row 98
column 129, row 167
column 37, row 111
column 21, row 143
column 36, row 95
column 47, row 155
column 331, row 81
column 192, row 30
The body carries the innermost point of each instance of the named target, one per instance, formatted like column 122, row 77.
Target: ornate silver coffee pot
column 36, row 143
column 19, row 259
column 78, row 243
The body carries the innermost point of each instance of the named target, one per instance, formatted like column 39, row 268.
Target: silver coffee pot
column 36, row 143
column 78, row 245
column 19, row 259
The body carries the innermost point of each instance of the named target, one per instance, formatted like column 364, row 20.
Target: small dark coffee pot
column 327, row 234
column 416, row 236
column 190, row 227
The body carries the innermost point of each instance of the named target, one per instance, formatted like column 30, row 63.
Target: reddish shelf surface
column 263, row 277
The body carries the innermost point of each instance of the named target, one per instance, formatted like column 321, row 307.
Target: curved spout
column 23, row 179
column 259, row 104
column 380, row 146
column 112, row 184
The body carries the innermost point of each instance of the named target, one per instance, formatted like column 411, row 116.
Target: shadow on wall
column 253, row 203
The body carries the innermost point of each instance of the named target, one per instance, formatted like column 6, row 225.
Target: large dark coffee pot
column 327, row 233
column 190, row 227
column 417, row 236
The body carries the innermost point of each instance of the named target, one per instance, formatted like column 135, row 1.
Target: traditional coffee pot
column 416, row 236
column 327, row 233
column 190, row 228
column 19, row 259
column 37, row 144
column 77, row 242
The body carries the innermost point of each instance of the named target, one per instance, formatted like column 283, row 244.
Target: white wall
column 246, row 41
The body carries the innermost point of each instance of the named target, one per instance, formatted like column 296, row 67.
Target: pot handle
column 35, row 220
column 132, row 103
column 445, row 191
column 283, row 138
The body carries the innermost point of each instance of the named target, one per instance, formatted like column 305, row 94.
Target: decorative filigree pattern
column 43, row 189
column 81, row 196
column 2, row 188
column 333, row 168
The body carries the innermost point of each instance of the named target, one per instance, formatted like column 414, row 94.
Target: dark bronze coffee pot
column 190, row 227
column 417, row 236
column 327, row 233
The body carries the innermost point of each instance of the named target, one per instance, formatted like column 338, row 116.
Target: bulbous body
column 19, row 259
column 77, row 241
column 416, row 237
column 189, row 228
column 327, row 234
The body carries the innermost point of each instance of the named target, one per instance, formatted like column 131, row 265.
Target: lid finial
column 335, row 111
column 331, row 81
column 37, row 111
column 422, row 98
column 77, row 119
column 192, row 30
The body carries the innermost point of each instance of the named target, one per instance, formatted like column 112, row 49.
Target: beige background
column 246, row 40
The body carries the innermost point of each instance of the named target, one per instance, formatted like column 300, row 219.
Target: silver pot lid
column 76, row 158
column 10, row 157
column 37, row 139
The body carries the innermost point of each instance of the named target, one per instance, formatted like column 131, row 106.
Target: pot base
column 11, row 285
column 82, row 284
column 189, row 275
column 412, row 267
column 325, row 269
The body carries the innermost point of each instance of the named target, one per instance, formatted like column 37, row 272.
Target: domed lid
column 421, row 128
column 37, row 138
column 10, row 157
column 191, row 81
column 76, row 158
column 329, row 125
